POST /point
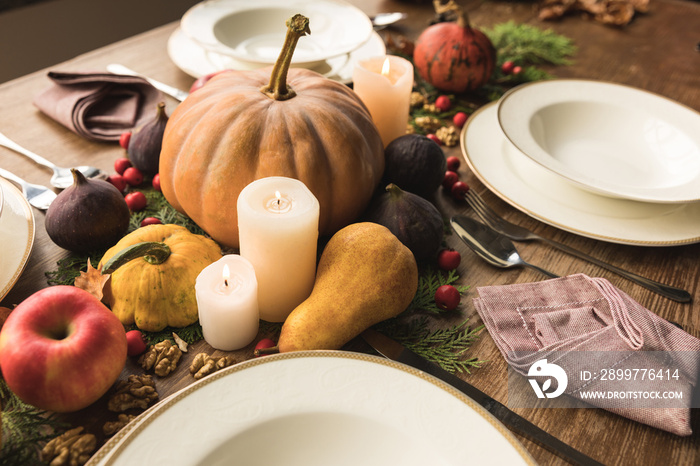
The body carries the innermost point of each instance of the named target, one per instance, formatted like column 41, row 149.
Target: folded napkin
column 587, row 326
column 98, row 106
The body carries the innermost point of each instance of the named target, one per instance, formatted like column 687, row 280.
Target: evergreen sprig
column 161, row 209
column 24, row 428
column 429, row 280
column 524, row 44
column 189, row 334
column 445, row 347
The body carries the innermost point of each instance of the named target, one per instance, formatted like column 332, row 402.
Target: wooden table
column 656, row 52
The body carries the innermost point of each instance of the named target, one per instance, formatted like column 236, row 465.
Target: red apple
column 61, row 349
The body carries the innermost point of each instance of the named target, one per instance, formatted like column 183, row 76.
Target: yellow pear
column 365, row 275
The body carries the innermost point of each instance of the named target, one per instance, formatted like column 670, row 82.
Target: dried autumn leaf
column 92, row 281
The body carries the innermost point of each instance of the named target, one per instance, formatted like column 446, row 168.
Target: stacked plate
column 601, row 160
column 238, row 34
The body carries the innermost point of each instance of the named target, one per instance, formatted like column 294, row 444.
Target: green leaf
column 429, row 280
column 524, row 44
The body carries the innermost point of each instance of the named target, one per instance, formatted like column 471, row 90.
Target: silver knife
column 174, row 92
column 392, row 349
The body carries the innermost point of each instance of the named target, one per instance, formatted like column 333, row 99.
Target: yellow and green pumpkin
column 153, row 271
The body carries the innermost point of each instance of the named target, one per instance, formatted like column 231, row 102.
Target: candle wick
column 226, row 282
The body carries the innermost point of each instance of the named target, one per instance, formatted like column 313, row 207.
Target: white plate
column 255, row 31
column 549, row 198
column 612, row 139
column 315, row 408
column 16, row 235
column 195, row 61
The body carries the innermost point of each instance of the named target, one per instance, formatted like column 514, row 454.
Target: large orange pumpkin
column 246, row 125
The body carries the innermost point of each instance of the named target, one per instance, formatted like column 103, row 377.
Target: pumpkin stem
column 297, row 26
column 451, row 6
column 151, row 251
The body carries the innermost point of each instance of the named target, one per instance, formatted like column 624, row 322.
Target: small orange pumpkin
column 246, row 125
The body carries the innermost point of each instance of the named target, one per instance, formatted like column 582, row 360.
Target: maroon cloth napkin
column 98, row 106
column 567, row 320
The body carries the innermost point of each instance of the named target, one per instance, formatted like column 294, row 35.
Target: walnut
column 449, row 135
column 204, row 364
column 417, row 99
column 428, row 123
column 71, row 448
column 161, row 357
column 136, row 392
column 430, row 108
column 111, row 428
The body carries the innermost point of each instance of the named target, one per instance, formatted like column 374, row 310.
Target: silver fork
column 39, row 196
column 518, row 233
column 62, row 177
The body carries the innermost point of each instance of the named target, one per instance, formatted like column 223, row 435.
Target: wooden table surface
column 656, row 52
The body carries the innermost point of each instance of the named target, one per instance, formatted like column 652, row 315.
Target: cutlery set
column 491, row 241
column 40, row 196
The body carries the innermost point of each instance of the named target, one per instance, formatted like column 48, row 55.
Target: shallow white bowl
column 254, row 31
column 608, row 138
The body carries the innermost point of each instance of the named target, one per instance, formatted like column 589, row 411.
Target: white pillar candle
column 278, row 234
column 384, row 84
column 227, row 300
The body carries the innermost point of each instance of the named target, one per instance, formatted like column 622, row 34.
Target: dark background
column 37, row 34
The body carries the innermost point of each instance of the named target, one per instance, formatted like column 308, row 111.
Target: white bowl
column 608, row 138
column 254, row 31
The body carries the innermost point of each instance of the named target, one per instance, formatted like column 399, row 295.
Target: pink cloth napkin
column 98, row 106
column 567, row 320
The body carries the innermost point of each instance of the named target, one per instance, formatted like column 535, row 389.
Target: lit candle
column 278, row 234
column 384, row 84
column 227, row 299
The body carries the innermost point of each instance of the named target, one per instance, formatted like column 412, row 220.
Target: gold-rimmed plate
column 543, row 195
column 17, row 231
column 316, row 408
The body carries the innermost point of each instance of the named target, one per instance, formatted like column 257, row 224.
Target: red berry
column 264, row 343
column 517, row 69
column 133, row 176
column 450, row 179
column 135, row 343
column 124, row 139
column 156, row 182
column 447, row 297
column 459, row 189
column 443, row 103
column 507, row 67
column 118, row 181
column 150, row 221
column 453, row 163
column 459, row 119
column 434, row 138
column 120, row 165
column 136, row 201
column 449, row 259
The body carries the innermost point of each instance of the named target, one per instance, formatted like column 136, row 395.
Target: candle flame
column 386, row 67
column 226, row 274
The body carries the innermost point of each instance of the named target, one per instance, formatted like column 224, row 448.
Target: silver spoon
column 62, row 177
column 39, row 196
column 382, row 20
column 490, row 245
